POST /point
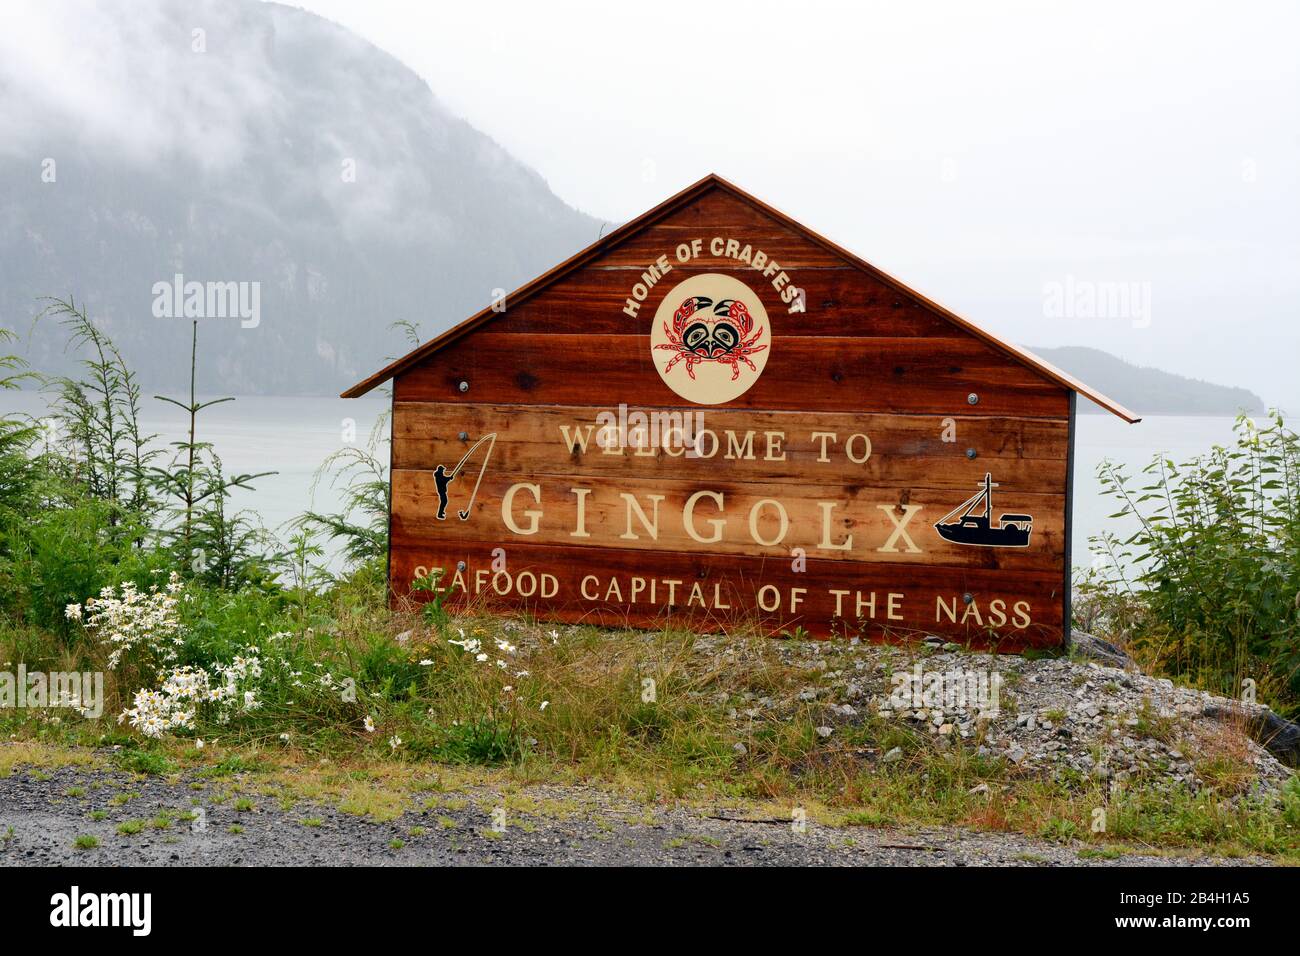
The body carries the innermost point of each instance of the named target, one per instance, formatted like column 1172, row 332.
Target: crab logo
column 711, row 339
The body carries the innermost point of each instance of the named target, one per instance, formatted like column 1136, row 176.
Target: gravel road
column 42, row 814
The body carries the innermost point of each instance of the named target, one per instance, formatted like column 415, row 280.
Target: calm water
column 293, row 436
column 289, row 436
column 1100, row 437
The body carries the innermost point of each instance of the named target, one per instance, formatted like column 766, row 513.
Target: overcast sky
column 1011, row 160
column 997, row 156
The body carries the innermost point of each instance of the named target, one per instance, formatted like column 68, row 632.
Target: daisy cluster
column 504, row 650
column 146, row 623
column 175, row 704
column 128, row 619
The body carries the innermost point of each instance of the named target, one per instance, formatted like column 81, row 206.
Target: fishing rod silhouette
column 442, row 478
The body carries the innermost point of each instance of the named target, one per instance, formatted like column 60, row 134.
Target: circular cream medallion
column 710, row 339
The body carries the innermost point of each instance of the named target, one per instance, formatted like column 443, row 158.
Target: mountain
column 254, row 148
column 1148, row 391
column 267, row 147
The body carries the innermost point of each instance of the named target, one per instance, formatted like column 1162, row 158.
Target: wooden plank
column 722, row 215
column 906, row 374
column 1027, row 454
column 719, row 593
column 830, row 522
column 839, row 301
column 767, row 242
column 1067, row 562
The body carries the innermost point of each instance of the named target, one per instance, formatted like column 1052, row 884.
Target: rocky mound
column 1052, row 716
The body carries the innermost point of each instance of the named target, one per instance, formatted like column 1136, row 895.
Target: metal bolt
column 971, row 399
column 971, row 453
column 461, row 565
column 464, row 436
column 968, row 597
column 464, row 387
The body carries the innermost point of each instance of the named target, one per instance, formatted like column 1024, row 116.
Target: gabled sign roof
column 683, row 198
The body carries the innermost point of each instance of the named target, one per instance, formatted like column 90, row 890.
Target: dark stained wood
column 1027, row 454
column 718, row 214
column 861, row 515
column 839, row 302
column 866, row 356
column 735, row 582
column 909, row 375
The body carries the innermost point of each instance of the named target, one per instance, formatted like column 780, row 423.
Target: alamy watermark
column 38, row 690
column 1075, row 298
column 179, row 299
column 957, row 690
column 650, row 430
column 74, row 908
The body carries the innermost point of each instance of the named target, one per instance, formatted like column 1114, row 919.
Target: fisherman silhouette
column 442, row 480
column 442, row 477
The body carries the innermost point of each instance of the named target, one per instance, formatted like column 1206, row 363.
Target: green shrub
column 144, row 761
column 60, row 556
column 1208, row 587
column 479, row 742
column 1291, row 803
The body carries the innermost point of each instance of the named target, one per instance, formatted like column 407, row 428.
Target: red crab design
column 705, row 331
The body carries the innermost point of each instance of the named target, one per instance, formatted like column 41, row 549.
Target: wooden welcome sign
column 715, row 416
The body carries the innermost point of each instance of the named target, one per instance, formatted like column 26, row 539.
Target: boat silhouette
column 961, row 527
